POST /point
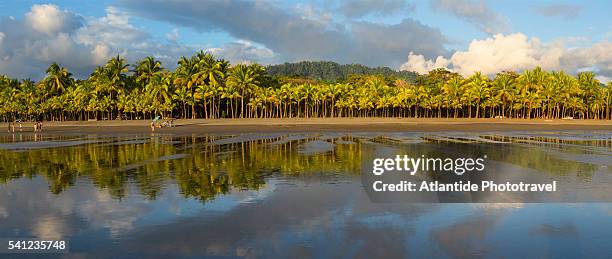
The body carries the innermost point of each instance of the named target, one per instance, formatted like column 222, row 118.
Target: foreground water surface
column 289, row 195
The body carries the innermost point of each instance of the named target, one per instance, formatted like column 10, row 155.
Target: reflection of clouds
column 497, row 207
column 466, row 239
column 567, row 229
column 261, row 194
column 116, row 216
column 48, row 215
column 302, row 220
column 608, row 208
column 246, row 252
column 315, row 147
column 3, row 212
column 49, row 228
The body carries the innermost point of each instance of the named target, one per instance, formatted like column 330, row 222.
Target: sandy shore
column 316, row 125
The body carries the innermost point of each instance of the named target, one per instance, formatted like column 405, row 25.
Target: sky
column 461, row 35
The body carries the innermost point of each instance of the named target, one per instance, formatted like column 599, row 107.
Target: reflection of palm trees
column 210, row 169
column 207, row 171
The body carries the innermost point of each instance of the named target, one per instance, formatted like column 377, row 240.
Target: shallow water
column 290, row 195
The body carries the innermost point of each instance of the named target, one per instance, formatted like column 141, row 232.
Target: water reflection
column 205, row 166
column 200, row 167
column 279, row 195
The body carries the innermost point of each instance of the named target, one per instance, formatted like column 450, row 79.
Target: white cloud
column 598, row 56
column 48, row 34
column 419, row 64
column 243, row 51
column 49, row 19
column 302, row 33
column 604, row 79
column 309, row 12
column 113, row 29
column 474, row 12
column 504, row 52
column 518, row 52
column 100, row 53
column 561, row 10
column 359, row 8
column 55, row 48
column 173, row 35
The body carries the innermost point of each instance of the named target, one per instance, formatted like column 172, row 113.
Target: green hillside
column 331, row 71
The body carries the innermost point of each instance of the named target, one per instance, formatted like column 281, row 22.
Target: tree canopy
column 332, row 72
column 204, row 86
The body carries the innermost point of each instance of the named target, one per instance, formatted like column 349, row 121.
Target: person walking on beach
column 38, row 126
column 152, row 126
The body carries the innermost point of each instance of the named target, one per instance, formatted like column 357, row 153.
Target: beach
column 195, row 126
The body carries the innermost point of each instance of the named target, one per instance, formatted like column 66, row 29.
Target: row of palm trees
column 203, row 86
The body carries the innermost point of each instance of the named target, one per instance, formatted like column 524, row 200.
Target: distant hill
column 331, row 71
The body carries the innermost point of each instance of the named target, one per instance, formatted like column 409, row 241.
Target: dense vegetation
column 332, row 72
column 205, row 87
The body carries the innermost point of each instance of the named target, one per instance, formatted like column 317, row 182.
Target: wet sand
column 315, row 125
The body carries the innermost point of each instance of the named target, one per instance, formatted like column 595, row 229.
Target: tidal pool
column 290, row 195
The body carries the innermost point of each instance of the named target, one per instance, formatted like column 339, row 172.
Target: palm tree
column 181, row 95
column 187, row 77
column 504, row 88
column 146, row 69
column 531, row 82
column 607, row 100
column 115, row 71
column 159, row 91
column 211, row 73
column 109, row 80
column 452, row 91
column 590, row 87
column 243, row 78
column 57, row 80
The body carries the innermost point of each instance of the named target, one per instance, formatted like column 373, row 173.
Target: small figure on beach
column 38, row 126
column 18, row 121
column 155, row 123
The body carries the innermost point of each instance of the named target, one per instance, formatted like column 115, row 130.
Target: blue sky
column 461, row 35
